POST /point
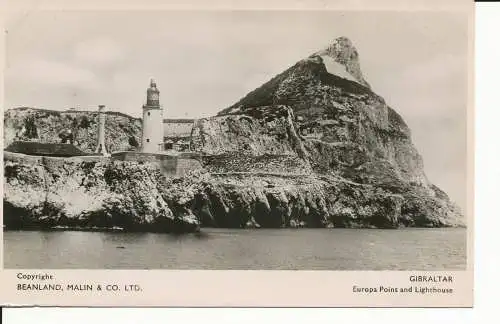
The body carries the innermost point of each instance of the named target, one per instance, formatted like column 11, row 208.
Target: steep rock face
column 342, row 52
column 309, row 201
column 342, row 129
column 89, row 193
column 265, row 130
column 331, row 112
column 122, row 131
column 346, row 184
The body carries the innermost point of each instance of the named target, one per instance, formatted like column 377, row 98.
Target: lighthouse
column 152, row 121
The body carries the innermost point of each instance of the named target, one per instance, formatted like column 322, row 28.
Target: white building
column 152, row 121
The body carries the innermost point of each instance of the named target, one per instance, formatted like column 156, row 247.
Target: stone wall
column 177, row 128
column 170, row 165
column 44, row 149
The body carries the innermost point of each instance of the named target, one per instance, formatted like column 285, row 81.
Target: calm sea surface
column 320, row 249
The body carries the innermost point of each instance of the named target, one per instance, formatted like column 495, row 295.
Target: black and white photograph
column 236, row 140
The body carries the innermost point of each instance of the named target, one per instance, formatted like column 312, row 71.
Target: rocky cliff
column 357, row 150
column 41, row 192
column 295, row 180
column 122, row 131
column 92, row 193
column 313, row 147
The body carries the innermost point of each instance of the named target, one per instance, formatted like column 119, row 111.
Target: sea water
column 300, row 249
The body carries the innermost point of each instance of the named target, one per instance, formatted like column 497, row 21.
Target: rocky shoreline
column 43, row 193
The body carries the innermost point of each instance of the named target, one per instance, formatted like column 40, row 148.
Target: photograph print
column 236, row 140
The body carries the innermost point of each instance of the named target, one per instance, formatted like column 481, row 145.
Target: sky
column 204, row 61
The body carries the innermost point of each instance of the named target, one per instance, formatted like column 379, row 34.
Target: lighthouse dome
column 153, row 95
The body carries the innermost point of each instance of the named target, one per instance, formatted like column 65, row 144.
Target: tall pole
column 101, row 144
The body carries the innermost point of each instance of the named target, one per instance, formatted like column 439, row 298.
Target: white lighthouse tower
column 152, row 121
